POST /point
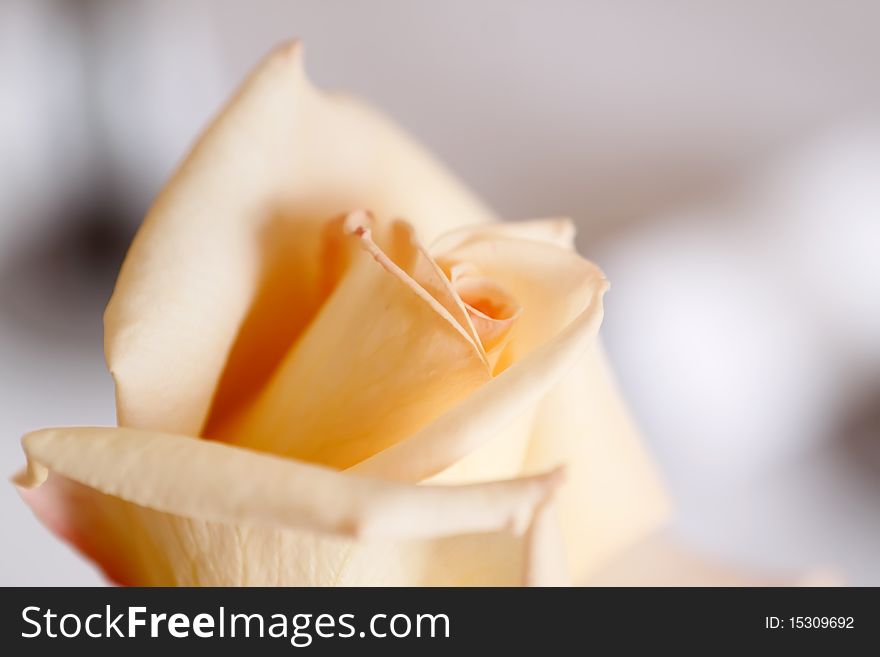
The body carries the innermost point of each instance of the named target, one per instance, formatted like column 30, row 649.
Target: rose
column 306, row 395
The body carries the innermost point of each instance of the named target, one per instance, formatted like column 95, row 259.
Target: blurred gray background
column 721, row 159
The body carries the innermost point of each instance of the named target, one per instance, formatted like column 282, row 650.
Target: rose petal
column 556, row 231
column 405, row 250
column 380, row 360
column 300, row 270
column 548, row 566
column 613, row 496
column 279, row 160
column 561, row 297
column 162, row 509
column 557, row 404
column 551, row 284
column 490, row 310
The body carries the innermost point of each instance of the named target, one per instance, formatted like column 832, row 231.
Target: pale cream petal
column 162, row 509
column 281, row 159
column 558, row 231
column 661, row 561
column 382, row 358
column 547, row 564
column 612, row 496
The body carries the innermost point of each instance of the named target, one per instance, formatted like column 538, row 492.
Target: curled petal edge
column 190, row 477
column 485, row 413
column 558, row 231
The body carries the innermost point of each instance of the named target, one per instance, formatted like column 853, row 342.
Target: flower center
column 491, row 310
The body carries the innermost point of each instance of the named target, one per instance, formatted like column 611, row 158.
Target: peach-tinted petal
column 557, row 231
column 491, row 311
column 280, row 160
column 301, row 267
column 487, row 434
column 162, row 509
column 407, row 252
column 497, row 414
column 382, row 358
column 551, row 284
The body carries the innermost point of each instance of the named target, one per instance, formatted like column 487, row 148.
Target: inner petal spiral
column 491, row 310
column 396, row 343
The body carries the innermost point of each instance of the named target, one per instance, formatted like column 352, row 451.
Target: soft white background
column 721, row 159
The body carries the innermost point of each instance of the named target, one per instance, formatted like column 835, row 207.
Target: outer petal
column 614, row 496
column 161, row 509
column 279, row 159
